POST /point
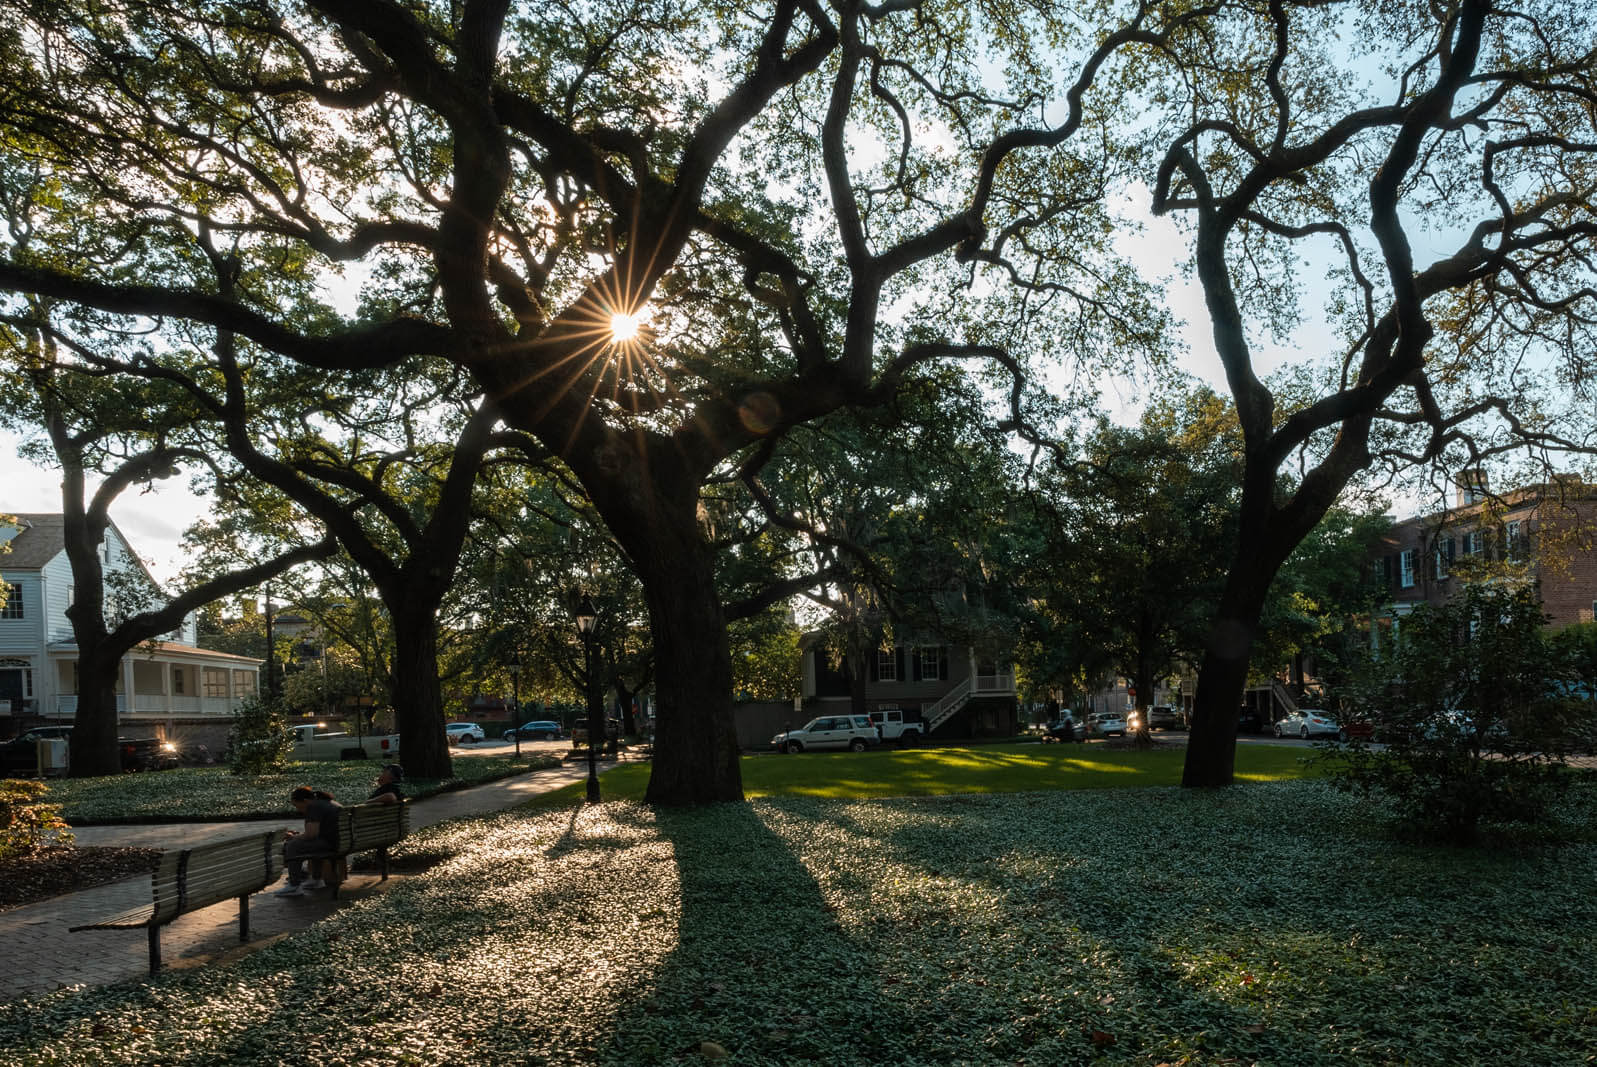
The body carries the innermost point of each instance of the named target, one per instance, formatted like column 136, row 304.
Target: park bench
column 189, row 879
column 366, row 828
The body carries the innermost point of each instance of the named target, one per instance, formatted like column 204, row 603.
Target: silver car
column 854, row 732
column 1307, row 723
column 1104, row 723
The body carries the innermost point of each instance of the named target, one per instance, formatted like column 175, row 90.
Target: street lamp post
column 587, row 615
column 515, row 699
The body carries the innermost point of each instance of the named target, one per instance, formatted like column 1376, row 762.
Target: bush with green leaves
column 26, row 821
column 259, row 741
column 1470, row 707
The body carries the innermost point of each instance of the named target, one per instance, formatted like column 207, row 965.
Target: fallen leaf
column 1254, row 1028
column 1102, row 1039
column 711, row 1051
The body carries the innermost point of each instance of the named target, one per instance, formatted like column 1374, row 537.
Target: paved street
column 40, row 955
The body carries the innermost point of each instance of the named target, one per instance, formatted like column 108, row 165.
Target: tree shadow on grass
column 762, row 967
column 1177, row 925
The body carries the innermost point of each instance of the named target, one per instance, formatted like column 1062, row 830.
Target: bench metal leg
column 243, row 916
column 382, row 862
column 155, row 948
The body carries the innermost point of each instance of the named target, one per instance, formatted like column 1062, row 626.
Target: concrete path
column 40, row 955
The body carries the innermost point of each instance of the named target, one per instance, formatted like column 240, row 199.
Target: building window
column 1443, row 558
column 886, row 666
column 1475, row 543
column 929, row 659
column 25, row 669
column 1514, row 539
column 240, row 683
column 177, row 680
column 1405, row 576
column 13, row 608
column 214, row 682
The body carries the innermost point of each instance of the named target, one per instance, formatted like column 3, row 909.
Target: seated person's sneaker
column 313, row 883
column 291, row 890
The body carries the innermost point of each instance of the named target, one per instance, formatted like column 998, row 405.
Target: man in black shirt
column 388, row 791
column 319, row 839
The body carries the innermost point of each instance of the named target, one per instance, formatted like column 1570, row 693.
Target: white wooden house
column 164, row 686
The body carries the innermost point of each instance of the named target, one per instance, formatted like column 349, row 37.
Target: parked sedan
column 539, row 730
column 854, row 732
column 1307, row 723
column 456, row 732
column 1104, row 723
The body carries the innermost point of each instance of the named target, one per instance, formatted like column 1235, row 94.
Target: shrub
column 26, row 822
column 1468, row 707
column 259, row 741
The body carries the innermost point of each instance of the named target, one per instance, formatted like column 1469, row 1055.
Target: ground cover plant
column 1004, row 768
column 1102, row 926
column 207, row 793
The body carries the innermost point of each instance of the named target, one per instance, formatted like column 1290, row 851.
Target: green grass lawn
column 210, row 793
column 1008, row 768
column 1271, row 924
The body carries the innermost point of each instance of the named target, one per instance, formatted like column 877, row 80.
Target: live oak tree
column 1137, row 528
column 386, row 465
column 94, row 425
column 1362, row 135
column 505, row 185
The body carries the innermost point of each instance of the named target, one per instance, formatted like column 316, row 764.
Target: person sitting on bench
column 319, row 839
column 388, row 791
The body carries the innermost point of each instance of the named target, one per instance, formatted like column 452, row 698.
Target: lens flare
column 623, row 327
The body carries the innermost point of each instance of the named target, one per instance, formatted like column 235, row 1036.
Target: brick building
column 1545, row 533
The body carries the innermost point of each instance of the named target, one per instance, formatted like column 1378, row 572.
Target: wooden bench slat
column 186, row 880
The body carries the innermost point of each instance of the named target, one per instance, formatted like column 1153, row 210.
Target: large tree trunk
column 1143, row 683
column 648, row 496
column 418, row 700
column 856, row 687
column 93, row 746
column 624, row 699
column 1223, row 676
column 695, row 743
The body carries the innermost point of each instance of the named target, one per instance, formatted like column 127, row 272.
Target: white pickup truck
column 899, row 728
column 310, row 745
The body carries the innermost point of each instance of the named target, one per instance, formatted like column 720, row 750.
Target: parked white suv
column 1104, row 723
column 456, row 732
column 855, row 732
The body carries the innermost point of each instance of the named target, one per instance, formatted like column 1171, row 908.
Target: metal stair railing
column 945, row 708
column 1283, row 696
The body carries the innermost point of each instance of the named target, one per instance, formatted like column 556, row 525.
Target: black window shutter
column 914, row 665
column 898, row 662
column 1449, row 550
column 871, row 657
column 942, row 664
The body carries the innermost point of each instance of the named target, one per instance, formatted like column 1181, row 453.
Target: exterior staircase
column 948, row 706
column 1283, row 697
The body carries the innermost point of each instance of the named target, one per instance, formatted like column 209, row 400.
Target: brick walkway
column 40, row 955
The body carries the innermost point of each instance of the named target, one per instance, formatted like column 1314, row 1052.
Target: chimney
column 1469, row 487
